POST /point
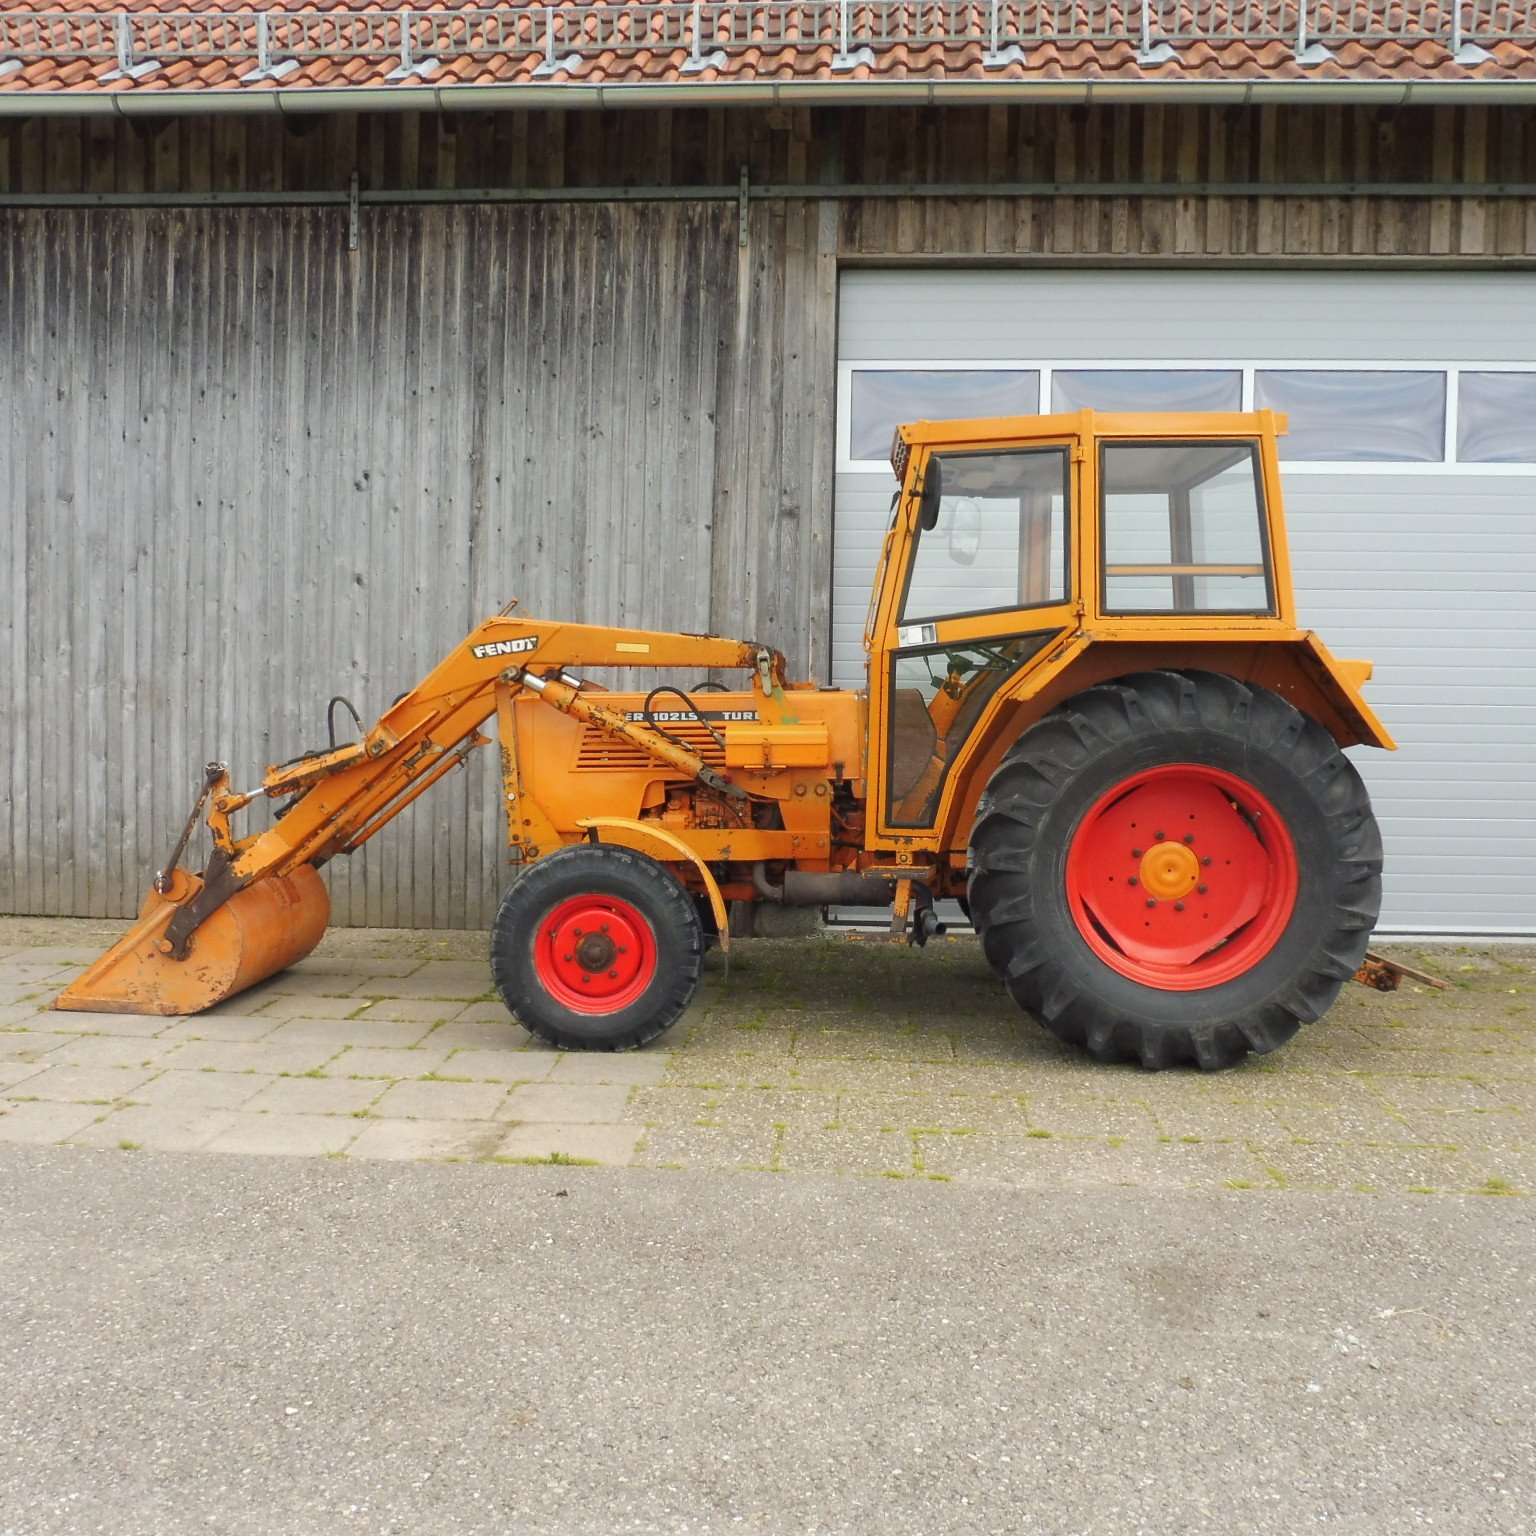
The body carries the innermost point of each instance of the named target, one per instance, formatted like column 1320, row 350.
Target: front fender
column 667, row 848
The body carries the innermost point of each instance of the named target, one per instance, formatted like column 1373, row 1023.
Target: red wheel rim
column 1182, row 877
column 595, row 954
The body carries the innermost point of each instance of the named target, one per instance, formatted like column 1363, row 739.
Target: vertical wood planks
column 245, row 469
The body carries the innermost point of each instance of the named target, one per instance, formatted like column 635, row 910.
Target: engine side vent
column 601, row 753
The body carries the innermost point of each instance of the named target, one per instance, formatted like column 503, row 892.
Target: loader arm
column 339, row 798
column 349, row 794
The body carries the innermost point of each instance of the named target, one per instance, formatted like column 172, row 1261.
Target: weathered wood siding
column 1460, row 147
column 243, row 468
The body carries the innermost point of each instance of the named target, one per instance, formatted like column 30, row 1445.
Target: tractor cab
column 1019, row 547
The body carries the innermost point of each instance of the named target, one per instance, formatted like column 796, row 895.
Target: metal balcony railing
column 708, row 34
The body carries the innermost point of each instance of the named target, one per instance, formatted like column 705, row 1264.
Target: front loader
column 1089, row 715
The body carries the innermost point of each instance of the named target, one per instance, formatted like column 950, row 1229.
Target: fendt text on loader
column 1089, row 716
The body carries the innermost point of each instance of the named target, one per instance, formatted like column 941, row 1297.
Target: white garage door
column 1410, row 483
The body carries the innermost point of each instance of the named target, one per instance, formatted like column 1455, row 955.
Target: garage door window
column 1351, row 415
column 1496, row 418
column 1183, row 529
column 1147, row 389
column 1000, row 539
column 880, row 400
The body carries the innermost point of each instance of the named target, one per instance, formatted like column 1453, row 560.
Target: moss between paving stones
column 818, row 1057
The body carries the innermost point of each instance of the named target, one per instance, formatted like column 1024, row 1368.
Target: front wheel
column 1175, row 867
column 596, row 948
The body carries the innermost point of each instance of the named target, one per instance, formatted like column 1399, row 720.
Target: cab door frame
column 891, row 641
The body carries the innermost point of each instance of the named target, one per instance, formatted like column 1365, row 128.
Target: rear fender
column 1299, row 668
column 1321, row 685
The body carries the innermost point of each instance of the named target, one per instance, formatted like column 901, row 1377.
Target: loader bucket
column 260, row 930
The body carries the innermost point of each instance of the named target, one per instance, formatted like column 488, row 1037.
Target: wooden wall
column 243, row 467
column 1461, row 148
column 1199, row 147
column 243, row 470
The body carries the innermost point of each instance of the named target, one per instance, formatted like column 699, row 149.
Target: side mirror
column 928, row 502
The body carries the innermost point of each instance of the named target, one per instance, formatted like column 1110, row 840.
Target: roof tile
column 602, row 38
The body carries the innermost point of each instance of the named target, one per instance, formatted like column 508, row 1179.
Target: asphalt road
column 196, row 1343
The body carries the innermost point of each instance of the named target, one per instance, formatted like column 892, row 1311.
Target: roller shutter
column 1410, row 484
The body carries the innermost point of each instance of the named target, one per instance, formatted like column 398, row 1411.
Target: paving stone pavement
column 828, row 1055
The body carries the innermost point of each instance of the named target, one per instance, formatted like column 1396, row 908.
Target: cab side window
column 1000, row 538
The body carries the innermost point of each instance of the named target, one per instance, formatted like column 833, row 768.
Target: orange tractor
column 1090, row 717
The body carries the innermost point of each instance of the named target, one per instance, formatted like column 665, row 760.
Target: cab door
column 982, row 584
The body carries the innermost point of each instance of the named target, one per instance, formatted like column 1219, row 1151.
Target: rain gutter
column 575, row 95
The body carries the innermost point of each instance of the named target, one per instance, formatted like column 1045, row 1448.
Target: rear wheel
column 597, row 948
column 1175, row 867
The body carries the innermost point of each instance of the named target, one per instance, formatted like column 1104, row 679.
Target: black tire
column 1068, row 764
column 537, row 978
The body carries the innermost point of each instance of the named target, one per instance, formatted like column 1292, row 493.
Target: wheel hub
column 1182, row 877
column 595, row 954
column 1170, row 871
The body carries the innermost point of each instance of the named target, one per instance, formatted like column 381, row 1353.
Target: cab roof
column 1086, row 424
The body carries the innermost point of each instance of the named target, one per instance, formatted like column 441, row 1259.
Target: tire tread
column 566, row 872
column 1007, row 851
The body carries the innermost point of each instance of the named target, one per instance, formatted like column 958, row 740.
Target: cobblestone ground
column 827, row 1055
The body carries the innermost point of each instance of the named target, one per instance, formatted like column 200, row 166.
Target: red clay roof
column 213, row 48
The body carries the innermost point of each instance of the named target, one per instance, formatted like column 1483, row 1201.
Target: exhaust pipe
column 801, row 889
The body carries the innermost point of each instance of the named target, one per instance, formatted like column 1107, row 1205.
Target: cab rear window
column 1183, row 528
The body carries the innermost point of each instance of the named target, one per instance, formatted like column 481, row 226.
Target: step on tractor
column 1089, row 717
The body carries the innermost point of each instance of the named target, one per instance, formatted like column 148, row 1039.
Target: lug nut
column 1189, row 837
column 1131, row 881
column 1135, row 853
column 1178, row 906
column 605, row 927
column 585, row 980
column 1151, row 901
column 1159, row 836
column 1206, row 861
column 1202, row 889
column 613, row 975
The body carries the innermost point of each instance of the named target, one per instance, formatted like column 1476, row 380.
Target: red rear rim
column 1182, row 877
column 595, row 954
